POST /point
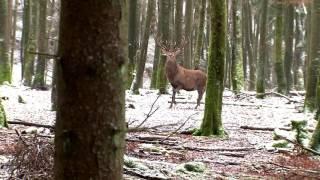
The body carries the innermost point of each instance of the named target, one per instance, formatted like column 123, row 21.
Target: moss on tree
column 212, row 122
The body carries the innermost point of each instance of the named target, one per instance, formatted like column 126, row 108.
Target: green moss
column 280, row 144
column 3, row 117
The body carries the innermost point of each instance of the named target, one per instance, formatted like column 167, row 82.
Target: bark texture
column 212, row 123
column 90, row 124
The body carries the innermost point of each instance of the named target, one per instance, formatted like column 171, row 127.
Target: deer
column 180, row 77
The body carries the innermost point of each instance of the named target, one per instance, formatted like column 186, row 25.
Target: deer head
column 171, row 50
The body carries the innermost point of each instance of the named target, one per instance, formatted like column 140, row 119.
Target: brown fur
column 182, row 78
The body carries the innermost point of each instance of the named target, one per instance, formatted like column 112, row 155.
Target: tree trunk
column 90, row 127
column 144, row 47
column 278, row 59
column 314, row 54
column 13, row 33
column 288, row 55
column 132, row 39
column 235, row 47
column 298, row 51
column 30, row 44
column 260, row 85
column 212, row 123
column 249, row 45
column 3, row 117
column 164, row 31
column 188, row 33
column 39, row 78
column 178, row 26
column 200, row 30
column 5, row 65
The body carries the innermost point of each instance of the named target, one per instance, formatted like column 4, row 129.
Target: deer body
column 182, row 78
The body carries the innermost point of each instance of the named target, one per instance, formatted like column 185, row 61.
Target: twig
column 20, row 137
column 149, row 128
column 30, row 124
column 150, row 113
column 180, row 126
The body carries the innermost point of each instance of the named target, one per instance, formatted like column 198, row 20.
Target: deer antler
column 183, row 42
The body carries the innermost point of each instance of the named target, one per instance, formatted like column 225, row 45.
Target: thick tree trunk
column 90, row 128
column 212, row 123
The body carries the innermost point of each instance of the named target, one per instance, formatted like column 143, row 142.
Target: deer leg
column 173, row 100
column 200, row 94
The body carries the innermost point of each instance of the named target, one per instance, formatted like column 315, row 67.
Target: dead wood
column 134, row 129
column 20, row 122
column 169, row 143
column 233, row 154
column 132, row 172
column 268, row 128
column 215, row 149
column 189, row 117
column 237, row 104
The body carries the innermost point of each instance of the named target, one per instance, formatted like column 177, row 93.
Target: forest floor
column 160, row 148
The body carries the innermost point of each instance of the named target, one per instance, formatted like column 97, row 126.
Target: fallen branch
column 180, row 126
column 20, row 122
column 216, row 149
column 169, row 143
column 268, row 128
column 235, row 104
column 150, row 128
column 131, row 172
column 233, row 154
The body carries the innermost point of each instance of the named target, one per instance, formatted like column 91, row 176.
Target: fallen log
column 268, row 128
column 20, row 122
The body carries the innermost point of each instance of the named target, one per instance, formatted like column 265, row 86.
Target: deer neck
column 171, row 69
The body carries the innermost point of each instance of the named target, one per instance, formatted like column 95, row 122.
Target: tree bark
column 260, row 84
column 278, row 58
column 212, row 123
column 144, row 47
column 314, row 61
column 5, row 65
column 39, row 77
column 90, row 125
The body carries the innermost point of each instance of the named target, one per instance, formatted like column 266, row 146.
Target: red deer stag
column 180, row 77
